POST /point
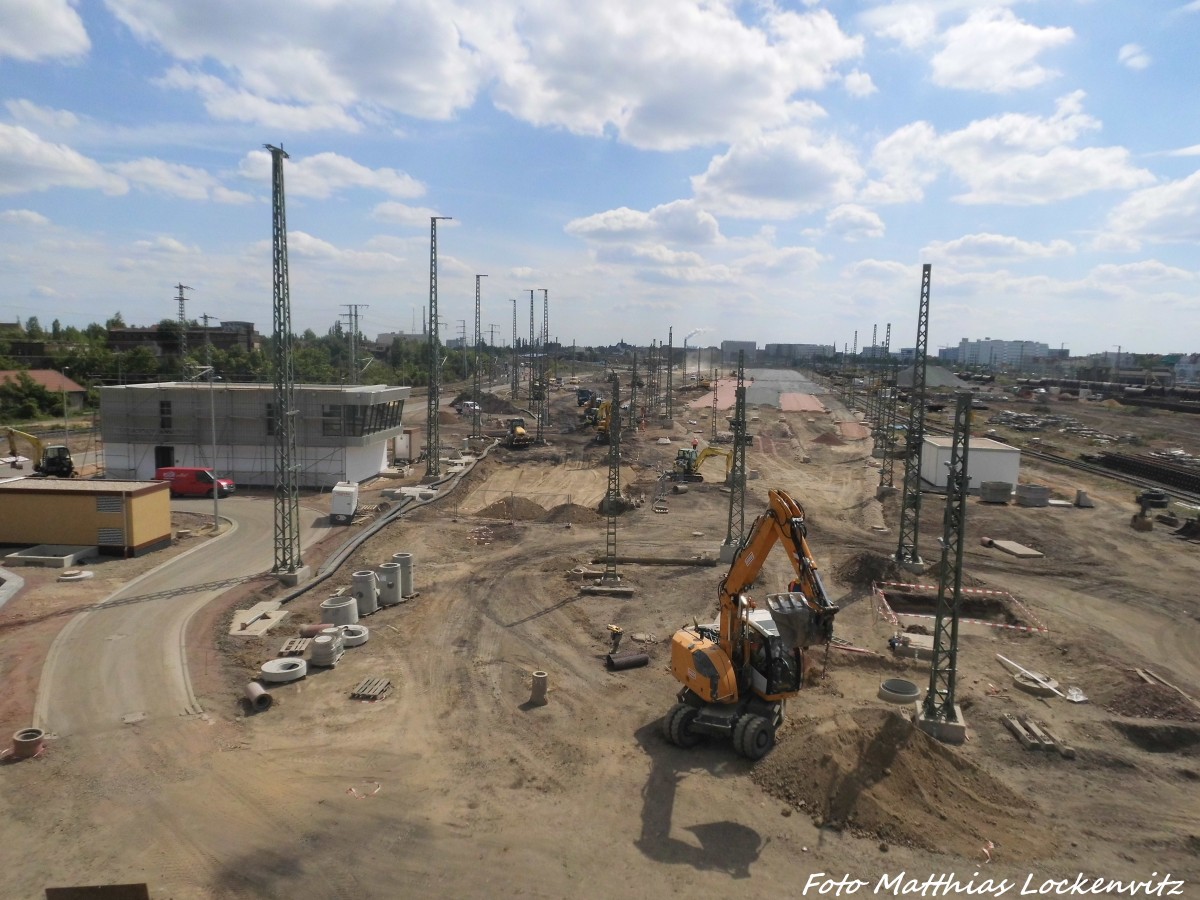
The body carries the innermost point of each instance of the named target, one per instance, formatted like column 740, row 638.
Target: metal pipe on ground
column 619, row 662
column 660, row 560
column 257, row 696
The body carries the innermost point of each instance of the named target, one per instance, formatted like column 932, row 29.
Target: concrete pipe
column 538, row 695
column 389, row 584
column 899, row 690
column 28, row 742
column 619, row 662
column 405, row 561
column 340, row 610
column 257, row 696
column 281, row 671
column 314, row 628
column 365, row 590
column 354, row 635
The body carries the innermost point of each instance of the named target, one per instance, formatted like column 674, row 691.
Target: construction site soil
column 455, row 785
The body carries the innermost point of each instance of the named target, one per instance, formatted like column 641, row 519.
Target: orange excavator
column 736, row 673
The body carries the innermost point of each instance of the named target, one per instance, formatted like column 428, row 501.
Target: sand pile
column 867, row 568
column 831, row 440
column 515, row 509
column 1153, row 701
column 570, row 512
column 871, row 771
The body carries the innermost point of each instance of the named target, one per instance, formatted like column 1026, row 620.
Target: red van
column 194, row 481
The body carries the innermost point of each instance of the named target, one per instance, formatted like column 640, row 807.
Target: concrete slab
column 914, row 646
column 52, row 556
column 1012, row 548
column 257, row 620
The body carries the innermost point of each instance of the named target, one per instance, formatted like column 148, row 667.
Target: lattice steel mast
column 183, row 328
column 736, row 532
column 541, row 405
column 612, row 496
column 283, row 410
column 910, row 505
column 531, row 349
column 670, row 374
column 515, row 375
column 939, row 705
column 433, row 431
column 475, row 414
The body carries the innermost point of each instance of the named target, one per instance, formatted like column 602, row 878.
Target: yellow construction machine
column 517, row 437
column 603, row 421
column 53, row 460
column 737, row 672
column 689, row 460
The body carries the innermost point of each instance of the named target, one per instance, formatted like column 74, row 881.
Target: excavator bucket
column 800, row 622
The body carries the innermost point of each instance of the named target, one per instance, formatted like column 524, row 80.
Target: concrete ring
column 281, row 671
column 354, row 635
column 899, row 690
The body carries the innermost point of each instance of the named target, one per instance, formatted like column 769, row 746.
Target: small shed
column 121, row 518
column 987, row 460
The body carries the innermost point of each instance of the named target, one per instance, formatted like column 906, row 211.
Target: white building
column 342, row 431
column 1000, row 353
column 987, row 460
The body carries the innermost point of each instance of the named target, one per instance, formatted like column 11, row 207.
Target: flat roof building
column 342, row 431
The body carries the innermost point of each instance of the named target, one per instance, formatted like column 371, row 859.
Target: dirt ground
column 454, row 785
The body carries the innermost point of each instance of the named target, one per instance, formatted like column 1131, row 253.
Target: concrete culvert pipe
column 389, row 584
column 28, row 742
column 340, row 610
column 537, row 696
column 899, row 690
column 354, row 635
column 257, row 696
column 365, row 590
column 405, row 561
column 619, row 662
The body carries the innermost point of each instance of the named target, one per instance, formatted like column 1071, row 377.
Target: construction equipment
column 689, row 460
column 737, row 673
column 591, row 409
column 49, row 461
column 1146, row 501
column 517, row 438
column 604, row 414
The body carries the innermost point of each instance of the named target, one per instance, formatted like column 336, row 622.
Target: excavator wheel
column 677, row 726
column 753, row 737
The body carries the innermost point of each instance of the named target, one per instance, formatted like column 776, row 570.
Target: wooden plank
column 294, row 646
column 372, row 688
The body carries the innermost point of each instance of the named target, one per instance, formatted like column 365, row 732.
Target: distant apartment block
column 1000, row 353
column 786, row 353
column 730, row 350
column 342, row 431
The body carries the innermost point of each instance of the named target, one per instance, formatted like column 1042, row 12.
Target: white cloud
column 306, row 246
column 852, row 222
column 1133, row 56
column 775, row 261
column 1193, row 150
column 228, row 104
column 164, row 244
column 1012, row 159
column 681, row 221
column 859, row 84
column 989, row 248
column 41, row 29
column 175, row 180
column 1165, row 213
column 402, row 214
column 27, row 163
column 24, row 217
column 994, row 51
column 325, row 174
column 29, row 113
column 779, row 176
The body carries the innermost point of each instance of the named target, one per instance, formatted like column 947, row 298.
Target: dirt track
column 452, row 785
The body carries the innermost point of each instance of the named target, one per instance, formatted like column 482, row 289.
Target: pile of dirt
column 873, row 772
column 831, row 440
column 515, row 509
column 867, row 568
column 448, row 418
column 1153, row 701
column 569, row 512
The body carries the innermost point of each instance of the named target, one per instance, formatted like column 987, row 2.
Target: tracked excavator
column 689, row 460
column 737, row 673
column 517, row 438
column 603, row 421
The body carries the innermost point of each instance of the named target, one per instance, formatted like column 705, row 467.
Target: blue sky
column 769, row 171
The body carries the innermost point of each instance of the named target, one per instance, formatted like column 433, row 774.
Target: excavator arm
column 782, row 523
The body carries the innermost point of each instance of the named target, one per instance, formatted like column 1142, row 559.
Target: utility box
column 344, row 504
column 987, row 460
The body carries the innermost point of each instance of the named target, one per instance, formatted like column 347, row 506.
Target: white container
column 344, row 503
column 987, row 460
column 406, row 573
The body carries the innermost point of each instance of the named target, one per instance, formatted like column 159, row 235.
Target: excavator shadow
column 722, row 846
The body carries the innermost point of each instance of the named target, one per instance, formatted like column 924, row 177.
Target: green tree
column 34, row 329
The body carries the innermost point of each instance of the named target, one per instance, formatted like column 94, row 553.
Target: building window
column 164, row 415
column 331, row 421
column 270, row 420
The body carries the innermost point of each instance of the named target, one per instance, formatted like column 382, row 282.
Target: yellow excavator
column 49, row 461
column 689, row 460
column 517, row 438
column 603, row 421
column 737, row 672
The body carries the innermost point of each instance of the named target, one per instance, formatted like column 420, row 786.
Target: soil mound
column 570, row 512
column 872, row 771
column 1153, row 701
column 515, row 509
column 866, row 568
column 831, row 440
